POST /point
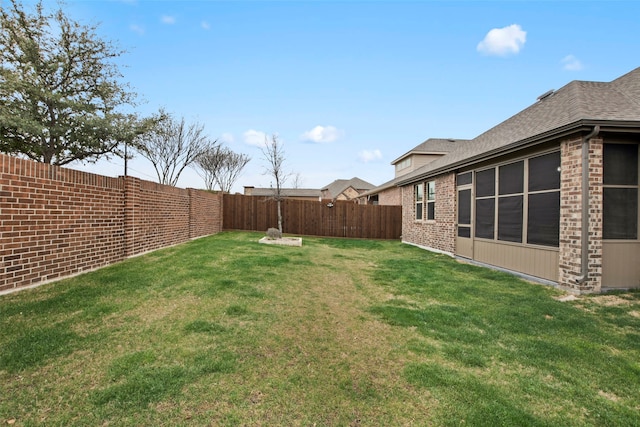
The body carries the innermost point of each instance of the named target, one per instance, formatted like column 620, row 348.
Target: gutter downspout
column 584, row 239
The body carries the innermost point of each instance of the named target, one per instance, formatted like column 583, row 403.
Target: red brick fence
column 56, row 222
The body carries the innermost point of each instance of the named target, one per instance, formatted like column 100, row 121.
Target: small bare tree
column 172, row 146
column 273, row 155
column 297, row 180
column 220, row 166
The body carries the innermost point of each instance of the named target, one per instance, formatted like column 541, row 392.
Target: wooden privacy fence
column 312, row 218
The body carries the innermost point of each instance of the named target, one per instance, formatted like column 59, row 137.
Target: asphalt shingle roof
column 578, row 101
column 339, row 185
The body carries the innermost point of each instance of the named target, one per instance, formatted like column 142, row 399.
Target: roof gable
column 432, row 146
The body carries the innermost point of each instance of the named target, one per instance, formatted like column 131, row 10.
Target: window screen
column 510, row 219
column 464, row 232
column 620, row 164
column 511, row 178
column 464, row 178
column 543, row 227
column 419, row 196
column 431, row 210
column 431, row 197
column 419, row 193
column 485, row 183
column 620, row 213
column 418, row 210
column 485, row 218
column 544, row 172
column 464, row 207
column 431, row 190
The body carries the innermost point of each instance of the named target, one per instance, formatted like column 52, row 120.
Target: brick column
column 131, row 208
column 446, row 212
column 193, row 206
column 571, row 216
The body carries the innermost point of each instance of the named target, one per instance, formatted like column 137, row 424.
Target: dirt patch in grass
column 610, row 300
column 283, row 241
column 612, row 397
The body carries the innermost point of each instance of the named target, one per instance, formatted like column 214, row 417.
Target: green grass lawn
column 224, row 331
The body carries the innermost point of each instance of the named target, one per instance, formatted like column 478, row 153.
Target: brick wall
column 205, row 213
column 571, row 216
column 390, row 197
column 56, row 222
column 438, row 234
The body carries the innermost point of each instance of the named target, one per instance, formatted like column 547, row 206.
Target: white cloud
column 168, row 19
column 205, row 25
column 255, row 138
column 227, row 138
column 571, row 63
column 321, row 134
column 503, row 41
column 136, row 29
column 367, row 156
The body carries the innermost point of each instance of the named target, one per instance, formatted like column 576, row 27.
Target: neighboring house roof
column 578, row 105
column 287, row 192
column 340, row 185
column 433, row 146
column 430, row 146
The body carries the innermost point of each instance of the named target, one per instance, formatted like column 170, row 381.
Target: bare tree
column 220, row 166
column 273, row 155
column 172, row 146
column 297, row 180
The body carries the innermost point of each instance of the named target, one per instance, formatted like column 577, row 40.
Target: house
column 346, row 189
column 431, row 149
column 552, row 192
column 292, row 193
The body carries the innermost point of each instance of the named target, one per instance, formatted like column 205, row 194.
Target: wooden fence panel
column 313, row 218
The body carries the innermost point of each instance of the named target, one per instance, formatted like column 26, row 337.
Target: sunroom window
column 620, row 192
column 520, row 201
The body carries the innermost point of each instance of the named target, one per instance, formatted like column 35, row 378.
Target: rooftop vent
column 546, row 94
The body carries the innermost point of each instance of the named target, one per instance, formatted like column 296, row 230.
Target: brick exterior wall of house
column 56, row 222
column 349, row 193
column 571, row 216
column 440, row 233
column 390, row 197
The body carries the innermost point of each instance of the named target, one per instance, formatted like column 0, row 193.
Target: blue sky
column 349, row 86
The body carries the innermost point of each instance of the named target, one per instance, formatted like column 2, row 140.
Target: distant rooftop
column 340, row 185
column 286, row 192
